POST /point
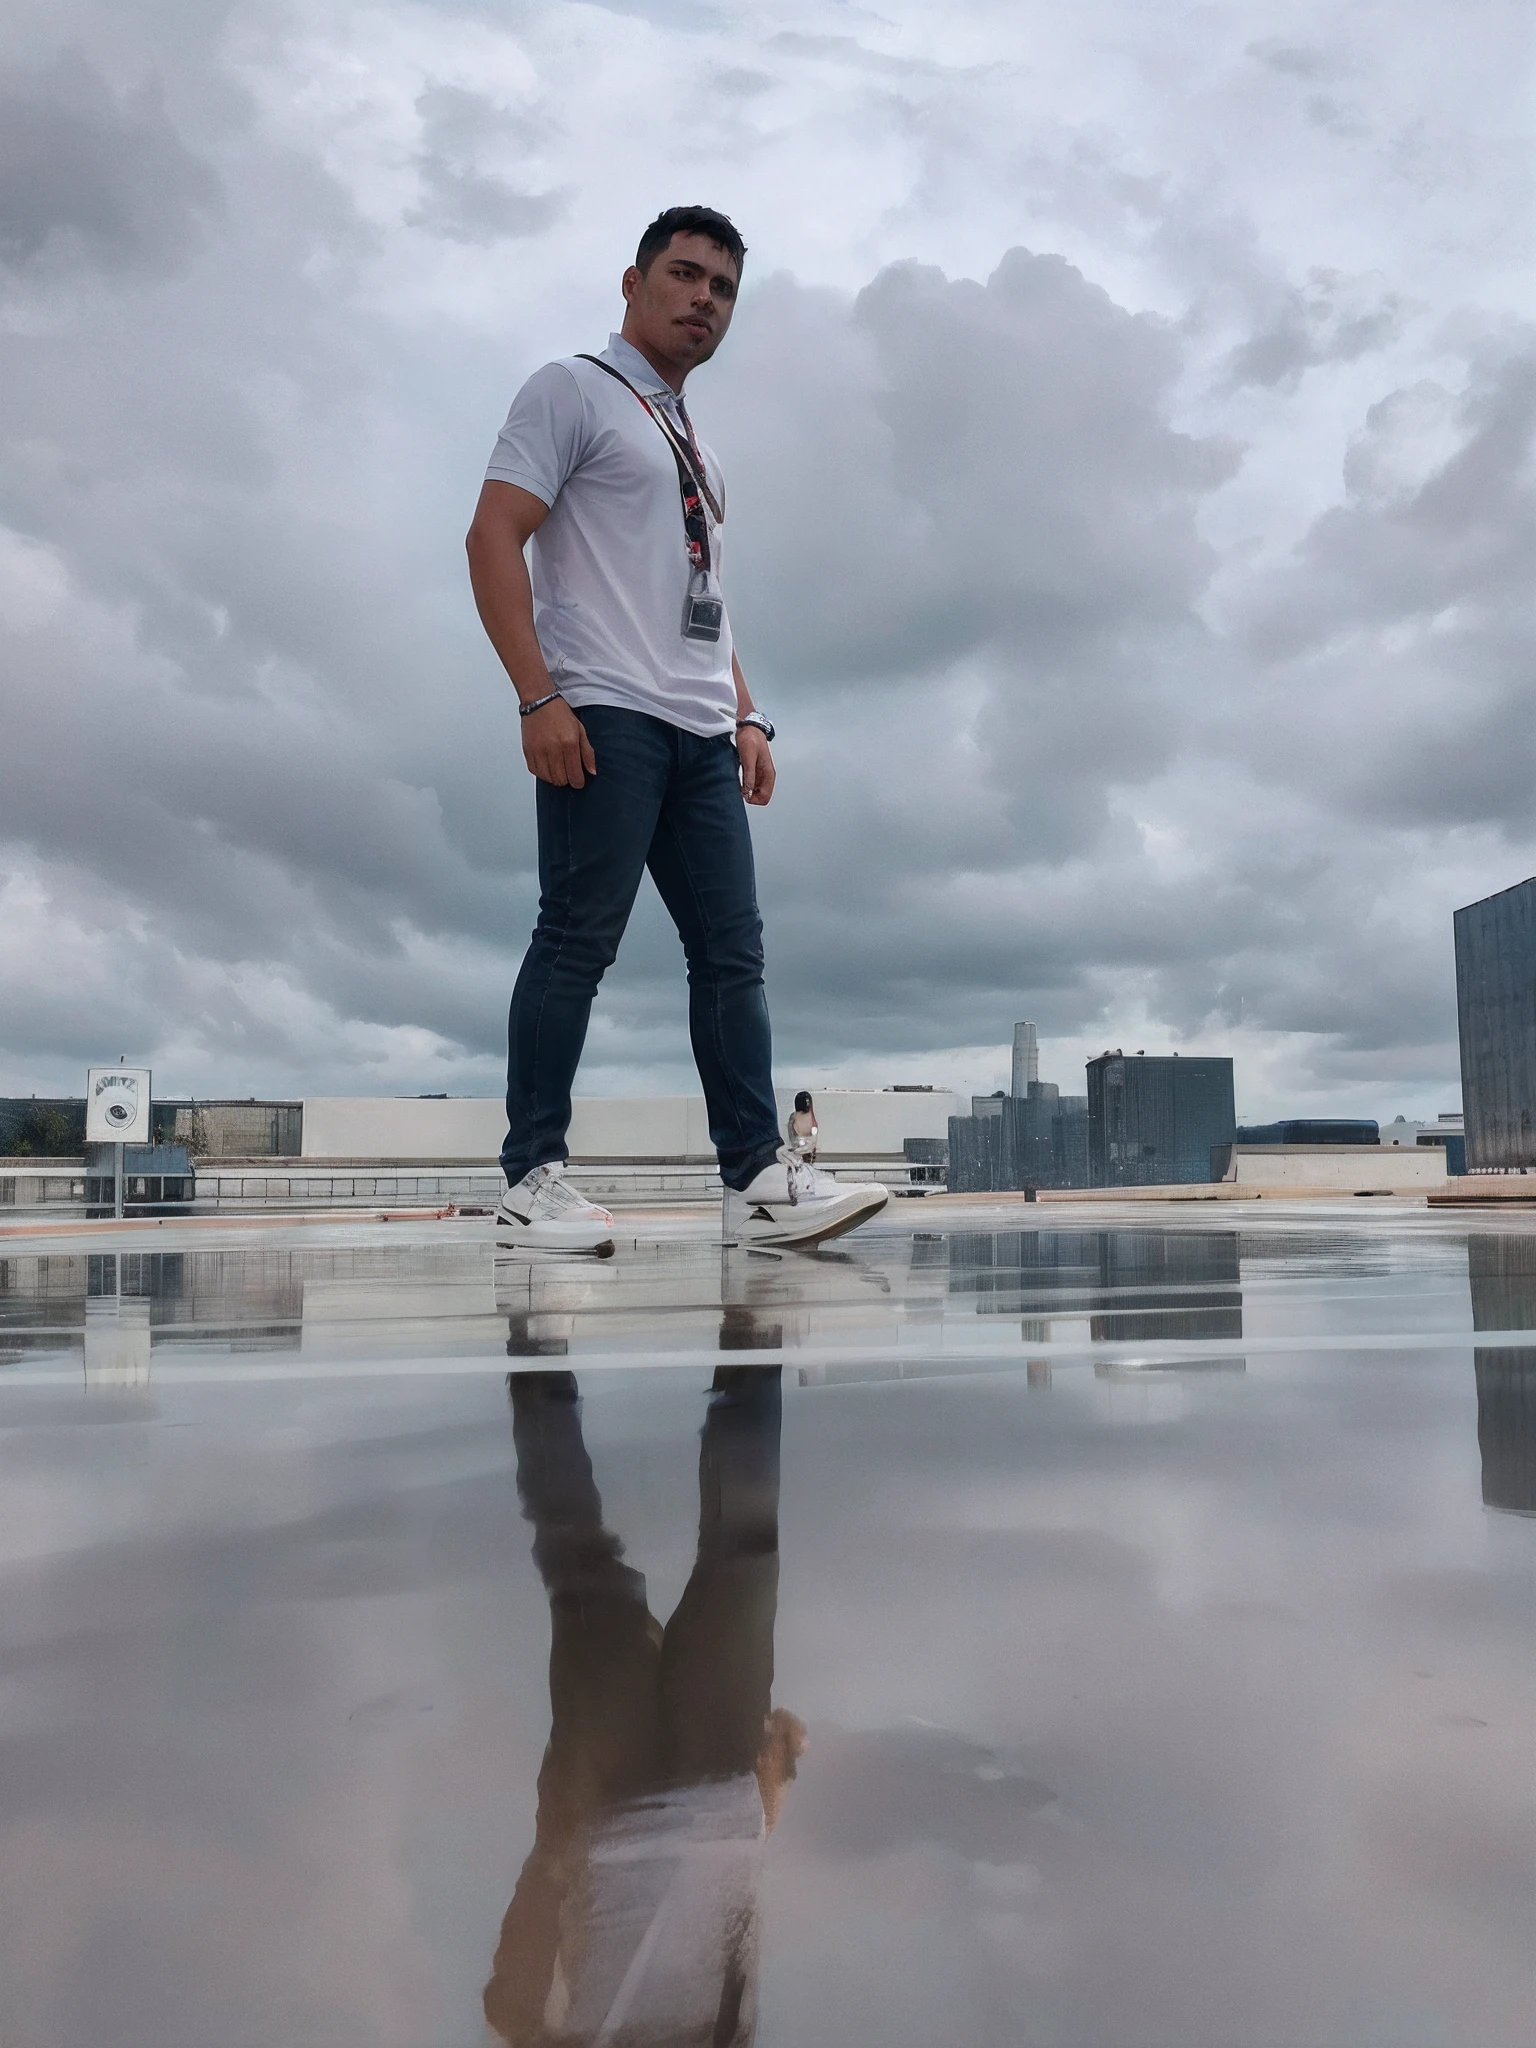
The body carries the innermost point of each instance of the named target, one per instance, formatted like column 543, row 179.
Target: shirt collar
column 626, row 357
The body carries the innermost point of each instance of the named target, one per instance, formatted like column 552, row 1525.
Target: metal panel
column 1312, row 1130
column 1152, row 1122
column 1496, row 1009
column 975, row 1155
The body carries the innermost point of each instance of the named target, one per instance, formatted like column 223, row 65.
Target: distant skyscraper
column 1026, row 1058
column 1038, row 1140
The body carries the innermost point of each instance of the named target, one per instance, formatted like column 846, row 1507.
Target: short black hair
column 803, row 1100
column 689, row 220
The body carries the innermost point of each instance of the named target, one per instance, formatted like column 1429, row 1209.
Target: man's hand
column 757, row 771
column 556, row 747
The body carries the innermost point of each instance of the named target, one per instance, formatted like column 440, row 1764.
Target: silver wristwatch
column 764, row 725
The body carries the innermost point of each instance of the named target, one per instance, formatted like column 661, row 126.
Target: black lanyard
column 691, row 480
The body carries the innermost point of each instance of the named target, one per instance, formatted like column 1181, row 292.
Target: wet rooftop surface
column 1115, row 1634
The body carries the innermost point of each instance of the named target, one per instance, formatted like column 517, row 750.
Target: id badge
column 703, row 608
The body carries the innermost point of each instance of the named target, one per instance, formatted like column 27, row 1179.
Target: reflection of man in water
column 634, row 1922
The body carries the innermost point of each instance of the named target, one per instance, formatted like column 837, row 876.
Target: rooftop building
column 1152, row 1121
column 1037, row 1140
column 1496, row 1009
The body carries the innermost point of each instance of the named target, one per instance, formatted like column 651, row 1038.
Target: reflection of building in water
column 1132, row 1285
column 1170, row 1284
column 696, row 1292
column 117, row 1336
column 40, row 1297
column 1502, row 1271
column 248, row 1299
column 1010, row 1272
column 251, row 1300
column 635, row 1919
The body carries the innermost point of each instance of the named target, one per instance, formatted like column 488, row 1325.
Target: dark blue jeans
column 666, row 800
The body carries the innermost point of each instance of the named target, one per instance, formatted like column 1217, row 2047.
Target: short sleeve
column 541, row 442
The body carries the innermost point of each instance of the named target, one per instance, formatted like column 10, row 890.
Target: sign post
column 117, row 1114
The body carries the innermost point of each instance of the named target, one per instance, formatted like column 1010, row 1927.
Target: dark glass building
column 1152, row 1121
column 1496, row 1008
column 1035, row 1140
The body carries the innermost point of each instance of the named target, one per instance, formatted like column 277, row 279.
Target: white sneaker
column 794, row 1203
column 543, row 1212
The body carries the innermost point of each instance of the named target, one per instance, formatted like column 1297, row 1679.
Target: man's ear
column 630, row 283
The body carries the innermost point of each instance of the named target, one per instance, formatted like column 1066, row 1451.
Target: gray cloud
column 458, row 199
column 1333, row 319
column 469, row 207
column 857, row 54
column 87, row 175
column 1292, row 60
column 741, row 83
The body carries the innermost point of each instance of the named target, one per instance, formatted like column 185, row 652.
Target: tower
column 1026, row 1058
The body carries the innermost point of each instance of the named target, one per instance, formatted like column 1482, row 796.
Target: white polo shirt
column 610, row 564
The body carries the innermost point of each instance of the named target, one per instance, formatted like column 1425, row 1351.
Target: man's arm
column 555, row 743
column 757, row 770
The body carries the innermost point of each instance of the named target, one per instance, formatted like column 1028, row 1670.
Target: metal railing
column 59, row 1191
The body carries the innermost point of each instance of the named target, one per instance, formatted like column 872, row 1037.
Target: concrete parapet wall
column 1489, row 1190
column 1349, row 1169
column 861, row 1123
column 389, row 1127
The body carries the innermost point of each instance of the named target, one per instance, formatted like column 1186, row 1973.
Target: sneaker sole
column 787, row 1237
column 555, row 1251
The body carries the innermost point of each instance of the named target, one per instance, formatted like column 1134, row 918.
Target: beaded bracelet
column 527, row 710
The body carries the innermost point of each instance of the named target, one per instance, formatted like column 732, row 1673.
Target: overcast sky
column 1128, row 418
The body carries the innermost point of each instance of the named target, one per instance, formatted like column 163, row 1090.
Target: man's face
column 682, row 305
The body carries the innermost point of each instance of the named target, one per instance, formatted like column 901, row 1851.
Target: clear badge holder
column 704, row 608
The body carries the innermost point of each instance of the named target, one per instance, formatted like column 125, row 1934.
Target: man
column 639, row 726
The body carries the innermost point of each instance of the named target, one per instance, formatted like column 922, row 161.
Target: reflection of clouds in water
column 1271, row 1657
column 881, row 1790
column 1201, row 1638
